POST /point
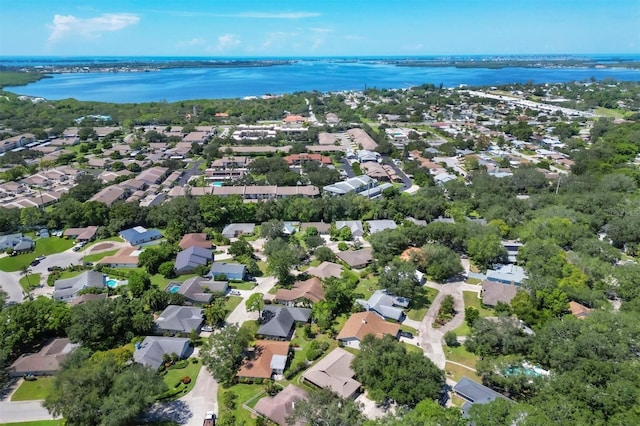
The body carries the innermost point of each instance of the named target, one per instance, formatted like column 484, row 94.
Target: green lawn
column 69, row 274
column 35, row 390
column 244, row 393
column 367, row 286
column 463, row 330
column 412, row 348
column 420, row 306
column 457, row 372
column 471, row 299
column 37, row 423
column 98, row 256
column 242, row 285
column 609, row 112
column 460, row 355
column 29, row 282
column 173, row 376
column 231, row 303
column 44, row 246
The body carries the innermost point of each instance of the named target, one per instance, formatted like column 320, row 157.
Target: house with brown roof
column 579, row 311
column 356, row 258
column 303, row 292
column 81, row 234
column 326, row 270
column 44, row 363
column 494, row 292
column 323, row 228
column 110, row 195
column 362, row 323
column 126, row 257
column 299, row 159
column 268, row 357
column 195, row 240
column 334, row 372
column 278, row 408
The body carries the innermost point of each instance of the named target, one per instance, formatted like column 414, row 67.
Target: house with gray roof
column 17, row 242
column 355, row 226
column 277, row 322
column 380, row 225
column 234, row 230
column 475, row 393
column 44, row 363
column 68, row 288
column 231, row 271
column 386, row 305
column 356, row 184
column 493, row 293
column 334, row 372
column 179, row 319
column 189, row 259
column 201, row 290
column 153, row 348
column 356, row 258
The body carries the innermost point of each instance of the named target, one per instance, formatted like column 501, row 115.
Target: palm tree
column 25, row 270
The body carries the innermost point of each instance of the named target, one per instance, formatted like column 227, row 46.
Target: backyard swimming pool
column 173, row 288
column 111, row 283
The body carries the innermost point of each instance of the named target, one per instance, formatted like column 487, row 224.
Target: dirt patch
column 102, row 247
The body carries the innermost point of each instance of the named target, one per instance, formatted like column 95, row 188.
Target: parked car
column 406, row 334
column 54, row 268
column 234, row 293
column 35, row 262
column 207, row 328
column 41, row 258
column 76, row 248
column 209, row 419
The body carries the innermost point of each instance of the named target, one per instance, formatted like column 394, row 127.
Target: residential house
column 67, row 289
column 231, row 271
column 140, row 235
column 110, row 195
column 361, row 139
column 18, row 141
column 355, row 226
column 44, row 363
column 376, row 226
column 81, row 234
column 195, row 240
column 277, row 408
column 326, row 270
column 475, row 393
column 309, row 291
column 356, row 259
column 179, row 319
column 506, row 274
column 17, row 242
column 299, row 159
column 321, row 227
column 189, row 259
column 494, row 292
column 386, row 305
column 199, row 289
column 277, row 322
column 234, row 230
column 358, row 184
column 268, row 357
column 152, row 350
column 334, row 372
column 578, row 310
column 512, row 248
column 126, row 257
column 362, row 323
column 153, row 175
column 89, row 297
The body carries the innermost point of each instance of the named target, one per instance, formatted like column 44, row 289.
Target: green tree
column 139, row 283
column 222, row 352
column 215, row 313
column 437, row 261
column 399, row 278
column 325, row 254
column 240, row 248
column 486, row 249
column 325, row 408
column 255, row 303
column 389, row 372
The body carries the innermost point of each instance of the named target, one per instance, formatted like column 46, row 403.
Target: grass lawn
column 367, row 286
column 460, row 355
column 457, row 372
column 457, row 401
column 608, row 112
column 412, row 348
column 44, row 246
column 262, row 265
column 463, row 330
column 421, row 305
column 408, row 329
column 473, row 281
column 35, row 390
column 173, row 376
column 99, row 256
column 37, row 423
column 69, row 274
column 29, row 282
column 160, row 281
column 244, row 392
column 242, row 285
column 471, row 299
column 231, row 302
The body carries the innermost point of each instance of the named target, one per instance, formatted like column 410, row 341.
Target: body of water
column 325, row 76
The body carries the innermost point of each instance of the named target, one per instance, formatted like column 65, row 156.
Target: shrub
column 186, row 380
column 451, row 339
column 342, row 246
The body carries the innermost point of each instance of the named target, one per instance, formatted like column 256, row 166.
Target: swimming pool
column 173, row 288
column 111, row 283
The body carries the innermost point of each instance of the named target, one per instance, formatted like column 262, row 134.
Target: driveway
column 189, row 173
column 240, row 314
column 23, row 411
column 10, row 283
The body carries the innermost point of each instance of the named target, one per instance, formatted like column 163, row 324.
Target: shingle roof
column 475, row 392
column 279, row 407
column 199, row 240
column 180, row 318
column 335, row 373
column 152, row 349
column 385, row 304
column 310, row 289
column 70, row 286
column 258, row 364
column 494, row 292
column 279, row 320
column 193, row 289
column 362, row 323
column 48, row 360
column 356, row 258
column 192, row 257
column 326, row 270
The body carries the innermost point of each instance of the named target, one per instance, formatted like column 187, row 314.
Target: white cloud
column 246, row 15
column 321, row 30
column 68, row 25
column 227, row 41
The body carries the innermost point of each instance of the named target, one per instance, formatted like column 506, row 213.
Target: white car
column 234, row 293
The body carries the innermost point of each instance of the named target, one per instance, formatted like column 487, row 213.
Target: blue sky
column 317, row 28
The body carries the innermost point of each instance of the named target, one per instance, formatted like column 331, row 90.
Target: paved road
column 23, row 411
column 189, row 173
column 10, row 284
column 240, row 314
column 346, row 166
column 406, row 181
